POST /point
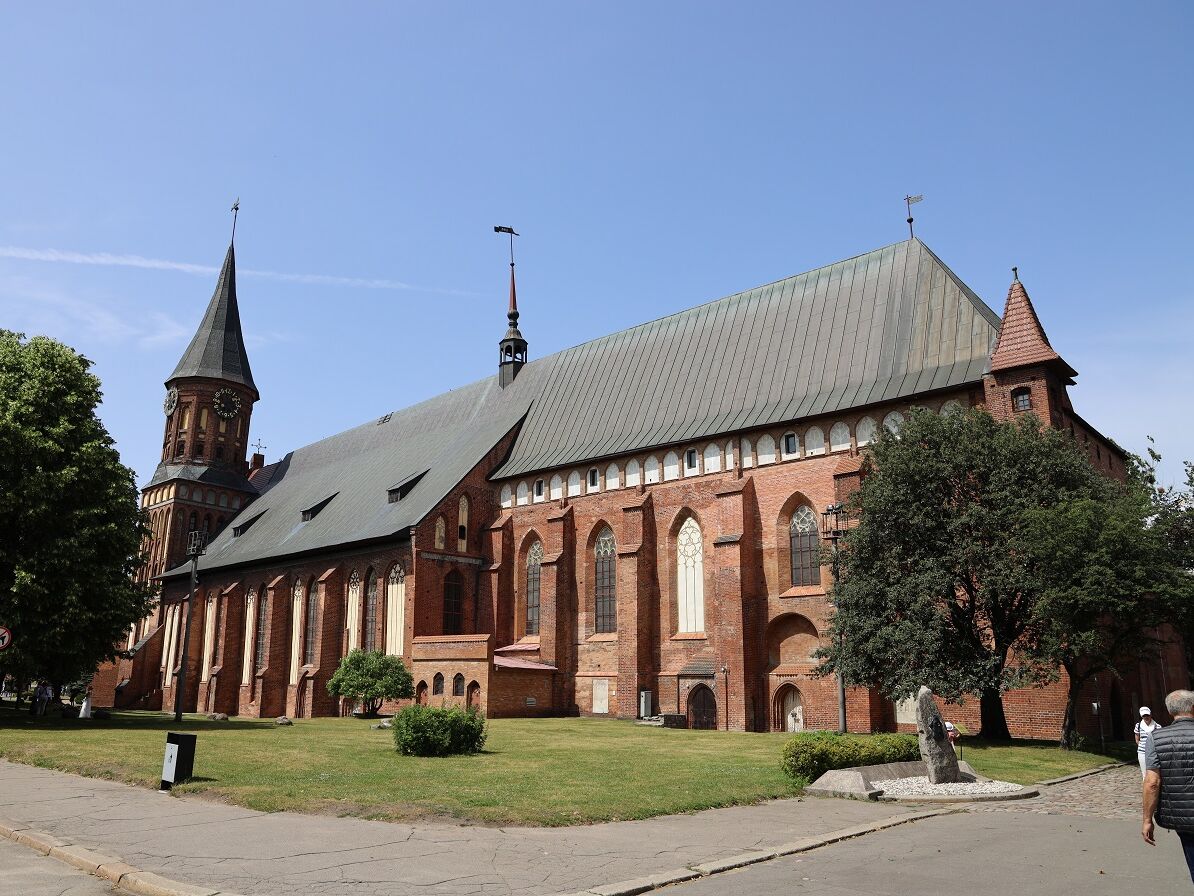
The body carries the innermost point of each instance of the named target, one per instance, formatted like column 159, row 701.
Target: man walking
column 1169, row 776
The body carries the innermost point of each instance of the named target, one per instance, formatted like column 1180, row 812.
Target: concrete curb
column 1077, row 775
column 120, row 873
column 1023, row 793
column 654, row 882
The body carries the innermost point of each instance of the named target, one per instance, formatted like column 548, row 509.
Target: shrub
column 809, row 755
column 428, row 731
column 368, row 677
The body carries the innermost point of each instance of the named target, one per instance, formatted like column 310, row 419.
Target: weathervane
column 910, row 201
column 509, row 230
column 235, row 211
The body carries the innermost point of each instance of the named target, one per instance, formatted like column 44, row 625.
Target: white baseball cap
column 1145, row 711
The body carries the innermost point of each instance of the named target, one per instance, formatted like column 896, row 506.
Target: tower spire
column 1022, row 341
column 513, row 348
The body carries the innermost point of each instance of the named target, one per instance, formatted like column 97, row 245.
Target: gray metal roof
column 218, row 349
column 215, row 476
column 883, row 326
column 446, row 436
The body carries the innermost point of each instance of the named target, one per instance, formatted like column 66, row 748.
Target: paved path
column 974, row 854
column 257, row 854
column 1114, row 793
column 24, row 872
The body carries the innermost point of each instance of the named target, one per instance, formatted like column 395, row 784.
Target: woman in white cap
column 1144, row 728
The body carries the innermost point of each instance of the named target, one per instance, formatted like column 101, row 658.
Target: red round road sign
column 5, row 638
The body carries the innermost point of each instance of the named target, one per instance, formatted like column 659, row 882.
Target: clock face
column 171, row 402
column 227, row 403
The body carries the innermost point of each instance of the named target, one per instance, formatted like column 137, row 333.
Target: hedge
column 431, row 731
column 809, row 755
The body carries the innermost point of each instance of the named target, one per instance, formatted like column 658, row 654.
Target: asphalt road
column 24, row 872
column 975, row 854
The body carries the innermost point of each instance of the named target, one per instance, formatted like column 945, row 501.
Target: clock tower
column 202, row 479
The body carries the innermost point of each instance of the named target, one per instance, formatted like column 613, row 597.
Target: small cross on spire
column 258, row 447
column 1015, row 274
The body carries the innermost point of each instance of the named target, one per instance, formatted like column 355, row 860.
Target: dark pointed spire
column 218, row 349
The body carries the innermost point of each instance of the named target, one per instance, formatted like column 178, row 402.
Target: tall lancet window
column 690, row 577
column 534, row 561
column 606, row 608
column 353, row 611
column 806, row 547
column 309, row 632
column 370, row 638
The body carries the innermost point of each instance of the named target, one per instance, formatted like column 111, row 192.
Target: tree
column 69, row 517
column 1107, row 584
column 1173, row 517
column 368, row 677
column 937, row 583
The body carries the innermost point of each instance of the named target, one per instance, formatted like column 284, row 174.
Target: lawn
column 533, row 771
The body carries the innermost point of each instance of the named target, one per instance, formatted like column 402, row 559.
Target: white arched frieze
column 612, row 477
column 671, row 466
column 766, row 448
column 865, row 431
column 894, row 422
column 573, row 484
column 712, row 459
column 951, row 407
column 651, row 470
column 814, row 441
column 729, row 455
column 748, row 457
column 507, row 496
column 633, row 473
column 556, row 489
column 522, row 494
column 839, row 437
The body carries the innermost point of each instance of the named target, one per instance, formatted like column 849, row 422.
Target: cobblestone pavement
column 1114, row 793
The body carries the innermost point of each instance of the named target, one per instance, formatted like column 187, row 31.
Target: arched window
column 814, row 441
column 453, row 609
column 766, row 450
column 690, row 577
column 296, row 631
column 712, row 459
column 396, row 610
column 839, row 437
column 612, row 477
column 457, row 685
column 534, row 560
column 573, row 484
column 437, row 683
column 651, row 470
column 556, row 488
column 748, row 457
column 671, row 466
column 522, row 494
column 441, row 532
column 894, row 422
column 370, row 638
column 353, row 611
column 462, row 525
column 865, row 431
column 951, row 407
column 312, row 621
column 633, row 473
column 805, row 543
column 507, row 496
column 606, row 578
column 262, row 620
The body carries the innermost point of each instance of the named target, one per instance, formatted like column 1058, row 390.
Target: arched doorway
column 702, row 708
column 789, row 709
column 473, row 699
column 421, row 694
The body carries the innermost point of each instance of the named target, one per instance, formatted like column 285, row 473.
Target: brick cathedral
column 629, row 527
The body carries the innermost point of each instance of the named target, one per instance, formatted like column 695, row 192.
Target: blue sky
column 652, row 155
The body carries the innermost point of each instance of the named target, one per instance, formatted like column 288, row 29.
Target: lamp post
column 835, row 521
column 196, row 547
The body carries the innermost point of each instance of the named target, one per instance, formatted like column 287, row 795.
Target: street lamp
column 835, row 522
column 196, row 547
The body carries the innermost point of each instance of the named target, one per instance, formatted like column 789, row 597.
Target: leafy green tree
column 1107, row 584
column 1173, row 516
column 368, row 677
column 70, row 525
column 937, row 581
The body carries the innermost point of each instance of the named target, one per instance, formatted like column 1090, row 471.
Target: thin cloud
column 108, row 259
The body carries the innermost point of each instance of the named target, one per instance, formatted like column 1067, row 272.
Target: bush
column 811, row 754
column 427, row 731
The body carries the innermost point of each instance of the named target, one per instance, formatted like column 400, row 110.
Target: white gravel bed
column 920, row 786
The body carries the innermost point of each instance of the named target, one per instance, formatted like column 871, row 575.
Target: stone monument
column 935, row 748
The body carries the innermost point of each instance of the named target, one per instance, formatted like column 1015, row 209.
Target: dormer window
column 403, row 488
column 311, row 512
column 1021, row 400
column 238, row 531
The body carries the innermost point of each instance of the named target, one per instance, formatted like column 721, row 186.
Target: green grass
column 1029, row 761
column 533, row 771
